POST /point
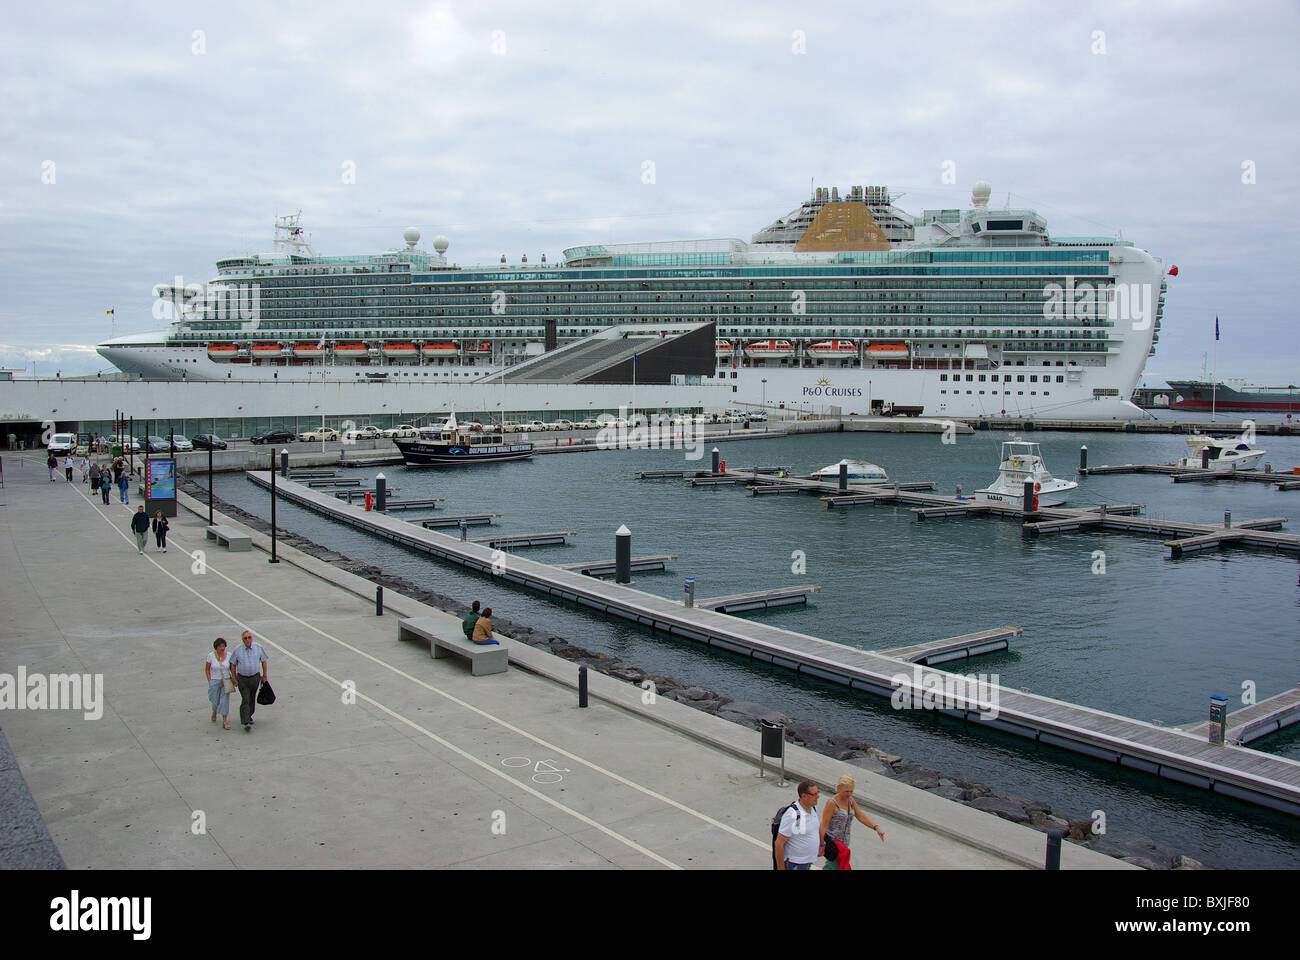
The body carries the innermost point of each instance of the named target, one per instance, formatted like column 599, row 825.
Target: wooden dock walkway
column 548, row 538
column 1238, row 772
column 956, row 648
column 759, row 599
column 469, row 519
column 598, row 568
column 1258, row 720
column 1284, row 481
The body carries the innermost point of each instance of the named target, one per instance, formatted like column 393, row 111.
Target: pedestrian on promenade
column 140, row 527
column 124, row 487
column 217, row 669
column 471, row 619
column 838, row 817
column 244, row 664
column 95, row 476
column 67, row 466
column 53, row 463
column 84, row 467
column 799, row 837
column 105, row 486
column 160, row 530
column 483, row 628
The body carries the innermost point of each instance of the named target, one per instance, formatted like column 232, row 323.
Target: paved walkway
column 425, row 767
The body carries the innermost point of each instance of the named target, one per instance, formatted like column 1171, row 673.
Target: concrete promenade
column 425, row 766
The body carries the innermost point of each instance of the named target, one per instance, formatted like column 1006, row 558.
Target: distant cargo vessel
column 1234, row 395
column 844, row 302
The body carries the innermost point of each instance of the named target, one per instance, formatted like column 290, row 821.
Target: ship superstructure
column 845, row 302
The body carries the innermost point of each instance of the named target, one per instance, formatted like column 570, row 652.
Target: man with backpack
column 797, row 836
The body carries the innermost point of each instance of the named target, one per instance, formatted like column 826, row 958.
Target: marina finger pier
column 1177, row 755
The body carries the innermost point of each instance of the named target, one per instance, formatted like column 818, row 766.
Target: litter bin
column 772, row 744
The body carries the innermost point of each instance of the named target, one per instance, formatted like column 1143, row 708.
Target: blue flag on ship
column 1216, row 326
column 636, row 358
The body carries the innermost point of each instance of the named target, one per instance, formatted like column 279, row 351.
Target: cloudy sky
column 146, row 140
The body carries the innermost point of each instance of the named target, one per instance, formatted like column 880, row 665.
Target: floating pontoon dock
column 1233, row 771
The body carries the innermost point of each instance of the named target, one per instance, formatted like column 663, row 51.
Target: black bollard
column 1054, row 837
column 716, row 455
column 1028, row 504
column 582, row 686
column 690, row 592
column 379, row 601
column 381, row 492
column 1227, row 519
column 1083, row 458
column 464, row 530
column 844, row 475
column 623, row 555
column 284, row 464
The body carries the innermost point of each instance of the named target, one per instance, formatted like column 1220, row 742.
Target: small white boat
column 1222, row 455
column 861, row 473
column 1023, row 461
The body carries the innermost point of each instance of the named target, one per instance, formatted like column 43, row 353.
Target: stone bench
column 484, row 658
column 237, row 542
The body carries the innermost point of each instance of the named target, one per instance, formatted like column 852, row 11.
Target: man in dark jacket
column 471, row 618
column 140, row 527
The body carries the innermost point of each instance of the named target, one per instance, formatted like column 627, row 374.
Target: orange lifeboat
column 434, row 350
column 266, row 351
column 824, row 349
column 725, row 348
column 351, row 351
column 222, row 352
column 400, row 351
column 479, row 349
column 888, row 351
column 769, row 349
column 308, row 351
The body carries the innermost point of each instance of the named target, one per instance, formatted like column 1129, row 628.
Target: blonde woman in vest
column 840, row 811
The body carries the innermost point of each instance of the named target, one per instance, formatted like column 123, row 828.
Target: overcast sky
column 146, row 140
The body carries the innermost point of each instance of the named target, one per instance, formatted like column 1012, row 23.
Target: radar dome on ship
column 411, row 235
column 440, row 244
column 980, row 193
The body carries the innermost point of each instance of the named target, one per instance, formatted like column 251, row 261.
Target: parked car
column 566, row 425
column 275, row 436
column 403, row 431
column 62, row 443
column 317, row 434
column 368, row 432
column 183, row 444
column 209, row 441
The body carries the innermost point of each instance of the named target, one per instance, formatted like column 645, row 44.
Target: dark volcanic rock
column 1134, row 849
column 915, row 775
column 750, row 713
column 1004, row 808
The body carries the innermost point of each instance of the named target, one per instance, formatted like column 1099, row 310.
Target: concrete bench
column 232, row 538
column 484, row 658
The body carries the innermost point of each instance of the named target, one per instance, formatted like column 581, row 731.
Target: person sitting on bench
column 483, row 628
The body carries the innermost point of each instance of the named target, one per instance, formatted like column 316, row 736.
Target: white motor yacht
column 1222, row 455
column 861, row 473
column 1023, row 461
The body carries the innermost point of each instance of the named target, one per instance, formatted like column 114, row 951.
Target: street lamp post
column 274, row 558
column 210, row 520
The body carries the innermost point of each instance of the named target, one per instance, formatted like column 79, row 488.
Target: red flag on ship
column 1173, row 271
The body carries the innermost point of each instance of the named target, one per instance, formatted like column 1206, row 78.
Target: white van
column 62, row 443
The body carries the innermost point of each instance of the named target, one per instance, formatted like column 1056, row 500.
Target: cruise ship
column 846, row 302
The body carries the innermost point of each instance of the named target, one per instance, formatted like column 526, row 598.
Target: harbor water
column 1110, row 621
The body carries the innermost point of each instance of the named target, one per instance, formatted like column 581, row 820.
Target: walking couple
column 244, row 668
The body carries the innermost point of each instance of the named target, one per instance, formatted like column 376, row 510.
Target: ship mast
column 290, row 237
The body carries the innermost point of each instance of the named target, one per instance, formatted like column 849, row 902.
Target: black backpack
column 776, row 827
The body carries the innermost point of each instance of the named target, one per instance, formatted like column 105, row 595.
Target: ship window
column 943, row 377
column 1020, row 393
column 1020, row 378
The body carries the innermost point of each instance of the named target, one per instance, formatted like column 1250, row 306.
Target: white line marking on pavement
column 393, row 713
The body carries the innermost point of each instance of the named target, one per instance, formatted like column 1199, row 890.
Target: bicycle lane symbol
column 544, row 771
